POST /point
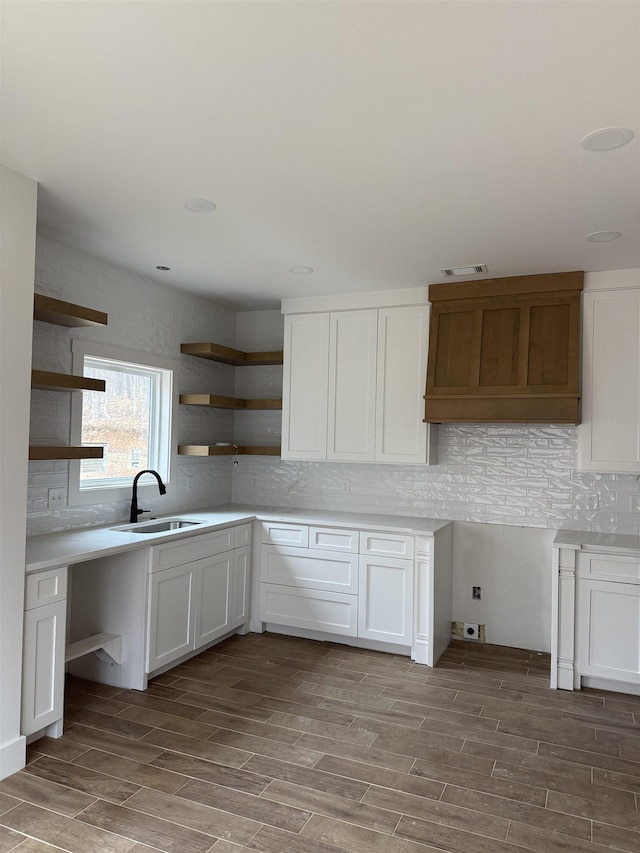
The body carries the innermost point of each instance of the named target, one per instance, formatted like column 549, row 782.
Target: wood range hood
column 505, row 350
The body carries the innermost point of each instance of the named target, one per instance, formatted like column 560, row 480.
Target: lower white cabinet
column 44, row 651
column 193, row 604
column 385, row 600
column 596, row 614
column 171, row 615
column 372, row 585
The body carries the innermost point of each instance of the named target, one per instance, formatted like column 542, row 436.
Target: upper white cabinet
column 609, row 436
column 354, row 382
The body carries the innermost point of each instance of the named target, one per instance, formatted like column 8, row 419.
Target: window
column 131, row 420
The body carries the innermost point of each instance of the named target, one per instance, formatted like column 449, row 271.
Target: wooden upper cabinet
column 505, row 350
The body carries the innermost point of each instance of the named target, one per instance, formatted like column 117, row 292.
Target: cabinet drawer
column 318, row 610
column 310, row 569
column 274, row 533
column 45, row 588
column 386, row 545
column 241, row 535
column 333, row 539
column 188, row 550
column 609, row 567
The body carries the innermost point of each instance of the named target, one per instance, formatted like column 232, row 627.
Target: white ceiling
column 373, row 141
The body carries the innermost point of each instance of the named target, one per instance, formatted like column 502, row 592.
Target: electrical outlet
column 253, row 481
column 593, row 501
column 635, row 503
column 346, row 486
column 471, row 631
column 57, row 497
column 476, row 593
column 189, row 483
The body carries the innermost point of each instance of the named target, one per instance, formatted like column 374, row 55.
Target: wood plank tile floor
column 281, row 745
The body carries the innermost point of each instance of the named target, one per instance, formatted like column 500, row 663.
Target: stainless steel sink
column 159, row 527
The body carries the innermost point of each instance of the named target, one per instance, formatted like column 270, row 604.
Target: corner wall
column 18, row 228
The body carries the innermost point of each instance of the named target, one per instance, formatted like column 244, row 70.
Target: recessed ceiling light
column 607, row 138
column 603, row 236
column 472, row 269
column 163, row 269
column 199, row 205
column 301, row 270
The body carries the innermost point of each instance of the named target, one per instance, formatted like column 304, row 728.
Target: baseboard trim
column 13, row 756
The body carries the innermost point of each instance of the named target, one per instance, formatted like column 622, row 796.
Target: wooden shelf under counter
column 217, row 401
column 39, row 453
column 48, row 381
column 61, row 313
column 227, row 450
column 228, row 355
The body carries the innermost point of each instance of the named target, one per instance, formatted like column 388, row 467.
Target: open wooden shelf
column 39, row 453
column 226, row 450
column 61, row 313
column 64, row 382
column 217, row 402
column 228, row 355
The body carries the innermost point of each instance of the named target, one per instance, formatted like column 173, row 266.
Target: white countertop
column 76, row 546
column 578, row 539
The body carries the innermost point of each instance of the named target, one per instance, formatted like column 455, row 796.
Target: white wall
column 18, row 226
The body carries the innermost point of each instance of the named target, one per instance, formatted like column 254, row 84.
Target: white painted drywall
column 17, row 252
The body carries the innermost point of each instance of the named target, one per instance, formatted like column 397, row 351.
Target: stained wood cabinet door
column 609, row 436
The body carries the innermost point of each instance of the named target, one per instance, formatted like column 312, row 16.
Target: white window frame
column 163, row 431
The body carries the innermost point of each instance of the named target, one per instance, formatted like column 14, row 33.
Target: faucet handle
column 140, row 511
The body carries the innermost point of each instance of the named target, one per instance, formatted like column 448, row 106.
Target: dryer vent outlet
column 471, row 631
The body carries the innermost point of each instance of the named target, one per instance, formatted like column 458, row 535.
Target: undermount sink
column 159, row 527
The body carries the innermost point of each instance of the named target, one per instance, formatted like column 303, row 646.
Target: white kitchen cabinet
column 609, row 435
column 372, row 587
column 171, row 615
column 196, row 601
column 305, row 387
column 43, row 652
column 608, row 630
column 354, row 384
column 385, row 600
column 596, row 612
column 213, row 598
column 353, row 337
column 240, row 587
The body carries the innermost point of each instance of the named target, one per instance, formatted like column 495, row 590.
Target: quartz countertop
column 578, row 539
column 68, row 547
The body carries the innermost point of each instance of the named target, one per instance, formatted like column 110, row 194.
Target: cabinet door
column 385, row 600
column 171, row 623
column 352, row 385
column 401, row 434
column 305, row 386
column 609, row 436
column 43, row 666
column 213, row 598
column 240, row 586
column 608, row 630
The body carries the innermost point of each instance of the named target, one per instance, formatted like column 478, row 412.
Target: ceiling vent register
column 505, row 350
